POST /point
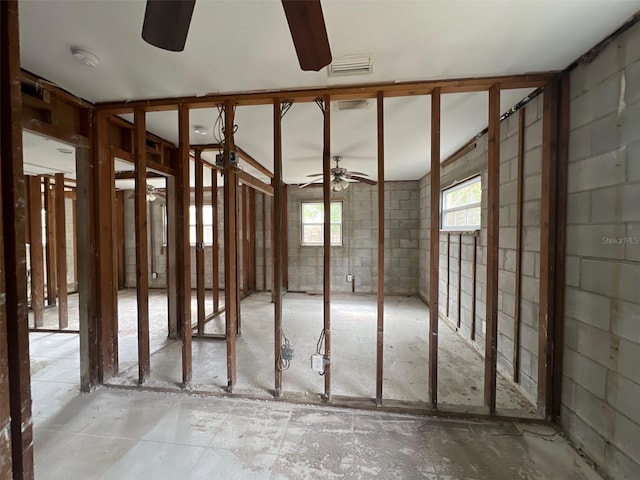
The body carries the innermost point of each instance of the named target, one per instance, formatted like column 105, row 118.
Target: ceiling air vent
column 351, row 104
column 351, row 65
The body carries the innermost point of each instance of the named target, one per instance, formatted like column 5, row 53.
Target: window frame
column 444, row 211
column 303, row 223
column 205, row 219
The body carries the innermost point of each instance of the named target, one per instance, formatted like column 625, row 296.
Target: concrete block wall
column 601, row 382
column 425, row 237
column 263, row 249
column 358, row 253
column 474, row 163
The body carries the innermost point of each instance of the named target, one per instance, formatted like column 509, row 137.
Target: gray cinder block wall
column 475, row 163
column 601, row 387
column 358, row 253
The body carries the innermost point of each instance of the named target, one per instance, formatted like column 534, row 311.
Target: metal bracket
column 284, row 107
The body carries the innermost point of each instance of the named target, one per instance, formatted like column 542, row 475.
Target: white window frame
column 444, row 210
column 303, row 223
column 206, row 222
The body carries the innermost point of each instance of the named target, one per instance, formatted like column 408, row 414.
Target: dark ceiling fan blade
column 359, row 173
column 166, row 23
column 315, row 175
column 310, row 183
column 363, row 180
column 309, row 33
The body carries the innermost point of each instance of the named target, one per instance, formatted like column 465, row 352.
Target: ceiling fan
column 166, row 25
column 340, row 177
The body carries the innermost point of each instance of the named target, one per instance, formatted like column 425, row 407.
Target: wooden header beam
column 251, row 181
column 243, row 155
column 352, row 92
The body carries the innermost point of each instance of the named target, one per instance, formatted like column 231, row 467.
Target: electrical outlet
column 349, row 277
column 154, row 275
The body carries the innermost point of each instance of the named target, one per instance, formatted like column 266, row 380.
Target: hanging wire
column 283, row 364
column 319, row 347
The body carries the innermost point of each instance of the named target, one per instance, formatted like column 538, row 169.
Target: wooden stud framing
column 231, row 301
column 61, row 253
column 50, row 249
column 252, row 240
column 87, row 277
column 474, row 267
column 14, row 222
column 352, row 92
column 326, row 196
column 381, row 225
column 36, row 250
column 173, row 302
column 435, row 247
column 448, row 273
column 246, row 259
column 276, row 250
column 264, row 242
column 5, row 402
column 564, row 102
column 285, row 238
column 215, row 247
column 548, row 231
column 458, row 319
column 183, row 263
column 141, row 234
column 107, row 285
column 493, row 217
column 199, row 201
column 518, row 287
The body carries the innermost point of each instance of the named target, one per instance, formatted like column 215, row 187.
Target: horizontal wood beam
column 42, row 84
column 241, row 153
column 459, row 153
column 53, row 131
column 352, row 92
column 251, row 181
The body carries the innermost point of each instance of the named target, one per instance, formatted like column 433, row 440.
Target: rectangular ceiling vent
column 352, row 104
column 351, row 65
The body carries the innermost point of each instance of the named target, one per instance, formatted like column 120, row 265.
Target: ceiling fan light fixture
column 85, row 56
column 343, row 183
column 200, row 129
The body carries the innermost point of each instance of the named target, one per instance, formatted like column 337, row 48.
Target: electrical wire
column 283, row 364
column 319, row 346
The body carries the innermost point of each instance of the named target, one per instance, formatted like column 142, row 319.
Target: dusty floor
column 353, row 351
column 116, row 434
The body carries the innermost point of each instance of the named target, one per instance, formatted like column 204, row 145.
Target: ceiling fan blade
column 359, row 173
column 363, row 180
column 309, row 33
column 309, row 183
column 166, row 23
column 315, row 175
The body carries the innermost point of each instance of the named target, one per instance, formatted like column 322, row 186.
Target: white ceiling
column 245, row 45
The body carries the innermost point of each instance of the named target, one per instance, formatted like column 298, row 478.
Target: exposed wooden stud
column 458, row 319
column 119, row 227
column 61, row 253
column 142, row 239
column 107, row 286
column 50, row 248
column 326, row 196
column 246, row 259
column 448, row 272
column 215, row 247
column 285, row 237
column 239, row 227
column 231, row 301
column 493, row 230
column 87, row 276
column 53, row 131
column 199, row 200
column 247, row 179
column 173, row 302
column 474, row 267
column 276, row 245
column 518, row 287
column 564, row 102
column 381, row 226
column 34, row 188
column 13, row 220
column 264, row 242
column 352, row 92
column 183, row 264
column 434, row 258
column 252, row 240
column 548, row 231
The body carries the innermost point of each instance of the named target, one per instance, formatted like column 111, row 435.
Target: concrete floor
column 461, row 368
column 117, row 434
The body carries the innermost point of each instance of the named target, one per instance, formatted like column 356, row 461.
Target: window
column 313, row 223
column 461, row 205
column 207, row 224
